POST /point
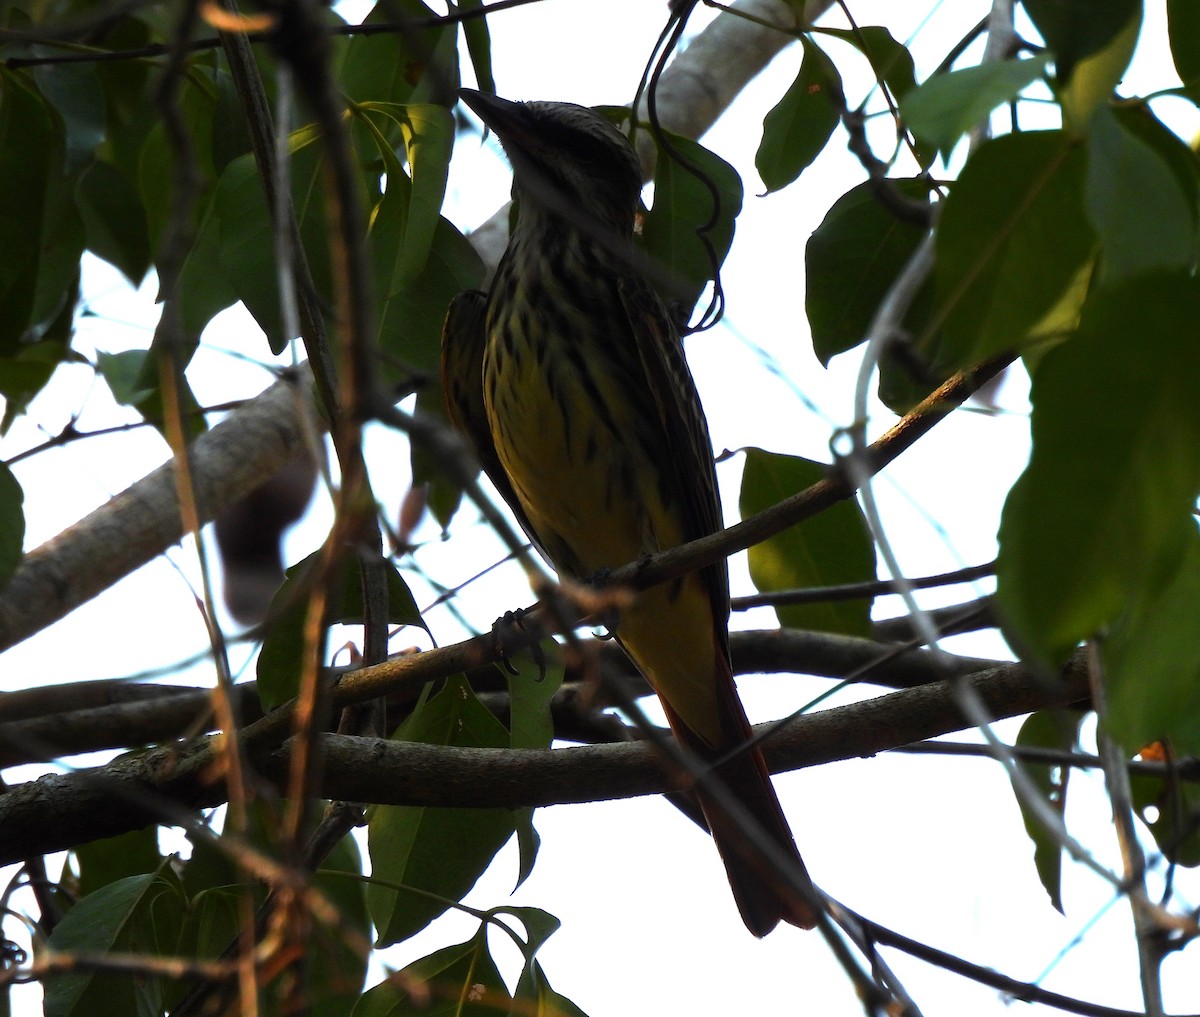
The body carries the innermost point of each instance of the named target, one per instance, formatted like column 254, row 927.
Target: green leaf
column 204, row 292
column 280, row 662
column 230, row 132
column 1152, row 662
column 12, row 524
column 335, row 967
column 1075, row 29
column 246, row 250
column 798, row 128
column 101, row 862
column 690, row 228
column 419, row 64
column 428, row 134
column 851, row 261
column 75, row 92
column 946, row 106
column 442, row 495
column 137, row 914
column 832, row 548
column 1144, row 219
column 114, row 221
column 1096, row 76
column 891, row 61
column 1168, row 806
column 531, row 726
column 133, row 378
column 1098, row 518
column 30, row 154
column 456, row 981
column 533, row 993
column 123, row 373
column 1012, row 242
column 24, row 375
column 410, row 327
column 1140, row 121
column 157, row 163
column 1183, row 29
column 429, row 850
column 479, row 45
column 1048, row 729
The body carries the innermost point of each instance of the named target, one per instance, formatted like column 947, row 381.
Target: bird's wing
column 463, row 339
column 682, row 419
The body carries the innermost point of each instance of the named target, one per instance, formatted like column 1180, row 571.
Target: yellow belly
column 592, row 494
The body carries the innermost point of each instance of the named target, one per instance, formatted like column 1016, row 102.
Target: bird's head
column 567, row 159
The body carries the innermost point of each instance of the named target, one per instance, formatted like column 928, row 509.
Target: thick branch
column 139, row 524
column 58, row 811
column 39, row 725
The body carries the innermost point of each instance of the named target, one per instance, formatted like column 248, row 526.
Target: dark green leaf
column 1013, row 246
column 945, row 107
column 216, row 888
column 1144, row 219
column 101, row 862
column 442, row 495
column 30, row 156
column 230, row 133
column 479, row 46
column 1183, row 28
column 456, row 981
column 891, row 61
column 25, row 374
column 534, row 995
column 417, row 65
column 1094, row 78
column 851, row 261
column 136, row 914
column 832, row 548
column 74, row 90
column 1075, row 29
column 435, row 851
column 1169, row 806
column 134, row 381
column 126, row 87
column 247, row 238
column 1099, row 516
column 1152, row 662
column 56, row 289
column 688, row 231
column 411, row 325
column 1048, row 729
column 798, row 128
column 114, row 221
column 530, row 727
column 123, row 372
column 12, row 523
column 428, row 135
column 157, row 170
column 203, row 289
column 281, row 663
column 1183, row 163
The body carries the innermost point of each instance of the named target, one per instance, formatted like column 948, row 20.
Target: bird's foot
column 511, row 631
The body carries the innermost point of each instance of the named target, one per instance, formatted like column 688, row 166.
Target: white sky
column 933, row 848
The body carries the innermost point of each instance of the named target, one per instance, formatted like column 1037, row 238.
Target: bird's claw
column 516, row 620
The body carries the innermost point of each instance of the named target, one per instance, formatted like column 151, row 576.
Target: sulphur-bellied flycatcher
column 569, row 380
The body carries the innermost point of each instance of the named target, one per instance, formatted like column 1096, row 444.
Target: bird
column 568, row 380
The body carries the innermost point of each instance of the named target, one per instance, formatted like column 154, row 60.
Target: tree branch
column 116, row 714
column 61, row 810
column 140, row 523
